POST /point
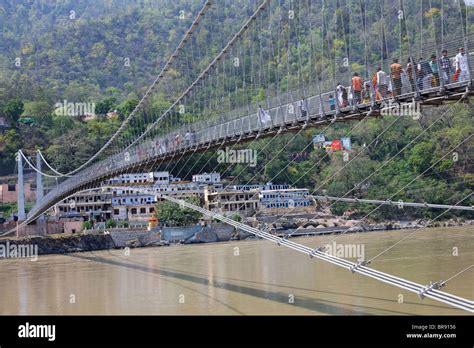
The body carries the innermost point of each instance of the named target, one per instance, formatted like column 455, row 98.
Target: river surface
column 241, row 278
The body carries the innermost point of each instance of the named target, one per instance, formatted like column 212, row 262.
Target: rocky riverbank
column 61, row 244
column 295, row 226
column 300, row 225
column 64, row 244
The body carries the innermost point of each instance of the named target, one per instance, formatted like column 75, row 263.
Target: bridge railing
column 232, row 125
column 284, row 100
column 283, row 108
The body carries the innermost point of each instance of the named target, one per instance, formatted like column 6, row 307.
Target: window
column 134, row 211
column 142, row 210
column 11, row 187
column 116, row 212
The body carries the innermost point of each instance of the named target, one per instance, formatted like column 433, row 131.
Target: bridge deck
column 208, row 136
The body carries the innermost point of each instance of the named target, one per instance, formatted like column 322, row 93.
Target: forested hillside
column 106, row 52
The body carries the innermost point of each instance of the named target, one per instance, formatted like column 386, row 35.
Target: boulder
column 204, row 236
column 350, row 223
column 300, row 221
column 133, row 243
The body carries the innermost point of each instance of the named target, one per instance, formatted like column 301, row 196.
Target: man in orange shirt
column 396, row 70
column 357, row 83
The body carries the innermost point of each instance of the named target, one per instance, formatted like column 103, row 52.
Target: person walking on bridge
column 177, row 141
column 341, row 95
column 446, row 67
column 382, row 82
column 303, row 106
column 462, row 66
column 187, row 138
column 357, row 83
column 410, row 72
column 366, row 93
column 375, row 87
column 425, row 74
column 435, row 71
column 396, row 71
column 332, row 102
column 263, row 115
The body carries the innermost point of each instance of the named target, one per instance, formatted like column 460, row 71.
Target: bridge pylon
column 21, row 189
column 39, row 181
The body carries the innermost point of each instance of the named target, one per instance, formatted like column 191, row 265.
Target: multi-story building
column 130, row 205
column 231, row 202
column 245, row 200
column 133, row 207
column 207, row 178
column 123, row 203
column 155, row 178
column 91, row 205
column 291, row 198
column 268, row 186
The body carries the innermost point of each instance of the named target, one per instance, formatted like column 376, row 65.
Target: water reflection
column 261, row 279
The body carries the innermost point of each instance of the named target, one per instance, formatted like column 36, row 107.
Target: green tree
column 41, row 111
column 110, row 223
column 13, row 109
column 87, row 225
column 126, row 108
column 105, row 105
column 170, row 214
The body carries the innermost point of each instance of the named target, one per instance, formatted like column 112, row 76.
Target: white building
column 207, row 178
column 285, row 198
column 246, row 200
column 132, row 207
column 268, row 186
column 157, row 178
column 132, row 178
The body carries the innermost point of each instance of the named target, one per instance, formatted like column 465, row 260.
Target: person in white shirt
column 462, row 65
column 263, row 115
column 382, row 82
column 341, row 95
column 303, row 106
column 187, row 138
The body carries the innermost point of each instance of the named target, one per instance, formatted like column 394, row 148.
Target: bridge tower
column 21, row 189
column 39, row 181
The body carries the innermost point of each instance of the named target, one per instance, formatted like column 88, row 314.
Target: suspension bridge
column 288, row 67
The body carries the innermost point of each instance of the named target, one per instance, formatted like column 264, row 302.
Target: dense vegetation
column 170, row 215
column 84, row 59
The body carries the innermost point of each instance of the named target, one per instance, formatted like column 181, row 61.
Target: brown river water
column 241, row 278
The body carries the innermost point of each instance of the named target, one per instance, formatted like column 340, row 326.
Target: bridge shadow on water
column 325, row 306
column 334, row 293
